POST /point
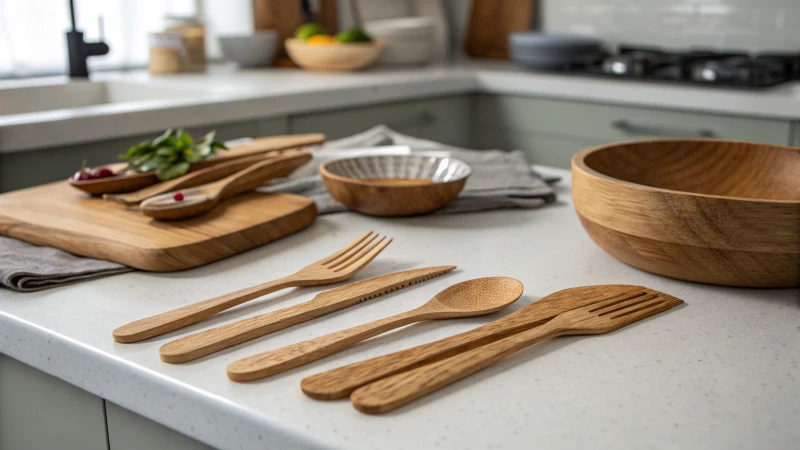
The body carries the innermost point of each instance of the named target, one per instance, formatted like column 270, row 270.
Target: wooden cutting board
column 492, row 21
column 59, row 216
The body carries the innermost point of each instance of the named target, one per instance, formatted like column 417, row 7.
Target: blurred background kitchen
column 549, row 77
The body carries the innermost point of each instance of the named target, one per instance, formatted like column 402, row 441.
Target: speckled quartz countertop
column 224, row 94
column 720, row 372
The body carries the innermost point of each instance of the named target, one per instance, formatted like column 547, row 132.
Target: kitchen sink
column 81, row 94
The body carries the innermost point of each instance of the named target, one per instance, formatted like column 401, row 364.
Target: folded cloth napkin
column 499, row 179
column 26, row 267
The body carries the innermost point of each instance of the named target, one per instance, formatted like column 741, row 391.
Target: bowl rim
column 579, row 163
column 323, row 170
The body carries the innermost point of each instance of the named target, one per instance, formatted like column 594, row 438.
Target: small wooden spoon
column 202, row 199
column 469, row 298
column 192, row 179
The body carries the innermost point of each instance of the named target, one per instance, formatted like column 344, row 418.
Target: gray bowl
column 250, row 50
column 531, row 40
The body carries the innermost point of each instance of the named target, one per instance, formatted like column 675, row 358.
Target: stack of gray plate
column 537, row 50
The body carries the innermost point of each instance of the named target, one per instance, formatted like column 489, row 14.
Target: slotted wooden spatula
column 597, row 318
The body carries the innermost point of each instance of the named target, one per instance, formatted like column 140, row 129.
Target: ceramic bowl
column 719, row 212
column 395, row 185
column 250, row 50
column 333, row 57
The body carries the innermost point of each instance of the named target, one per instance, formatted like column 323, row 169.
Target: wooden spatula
column 597, row 318
column 201, row 199
column 341, row 382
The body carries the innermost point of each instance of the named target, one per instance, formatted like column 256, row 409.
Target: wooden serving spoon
column 192, row 179
column 202, row 199
column 466, row 299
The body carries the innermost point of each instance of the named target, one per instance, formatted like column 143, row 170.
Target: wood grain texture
column 596, row 318
column 56, row 215
column 378, row 198
column 466, row 299
column 719, row 212
column 135, row 181
column 210, row 341
column 192, row 179
column 201, row 199
column 492, row 21
column 341, row 382
column 334, row 57
column 337, row 267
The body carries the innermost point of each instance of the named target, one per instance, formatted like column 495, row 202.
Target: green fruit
column 307, row 30
column 353, row 35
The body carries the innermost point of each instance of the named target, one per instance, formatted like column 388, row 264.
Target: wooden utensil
column 130, row 182
column 712, row 211
column 492, row 21
column 466, row 299
column 202, row 199
column 597, row 318
column 192, row 179
column 335, row 268
column 209, row 341
column 341, row 382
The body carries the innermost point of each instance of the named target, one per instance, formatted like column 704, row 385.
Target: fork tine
column 611, row 309
column 345, row 249
column 354, row 256
column 615, row 300
column 647, row 309
column 364, row 260
column 349, row 254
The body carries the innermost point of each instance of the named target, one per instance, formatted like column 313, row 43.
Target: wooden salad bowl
column 334, row 57
column 395, row 185
column 719, row 212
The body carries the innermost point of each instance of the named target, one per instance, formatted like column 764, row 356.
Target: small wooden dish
column 395, row 185
column 350, row 56
column 718, row 212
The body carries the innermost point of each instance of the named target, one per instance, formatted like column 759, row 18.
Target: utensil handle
column 255, row 175
column 282, row 359
column 210, row 341
column 342, row 381
column 397, row 390
column 189, row 314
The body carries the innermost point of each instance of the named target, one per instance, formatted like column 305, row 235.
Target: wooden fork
column 335, row 268
column 598, row 318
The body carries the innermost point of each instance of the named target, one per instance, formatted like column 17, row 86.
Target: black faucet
column 79, row 49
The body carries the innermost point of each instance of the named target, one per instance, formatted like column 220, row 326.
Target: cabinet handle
column 424, row 118
column 655, row 130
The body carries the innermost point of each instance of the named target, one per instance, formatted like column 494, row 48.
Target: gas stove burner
column 697, row 65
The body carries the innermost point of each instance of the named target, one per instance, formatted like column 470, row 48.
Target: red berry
column 178, row 197
column 103, row 172
column 83, row 175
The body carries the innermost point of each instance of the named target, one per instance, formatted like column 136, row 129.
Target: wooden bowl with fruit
column 352, row 49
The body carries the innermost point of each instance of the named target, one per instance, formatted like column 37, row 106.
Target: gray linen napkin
column 499, row 179
column 26, row 267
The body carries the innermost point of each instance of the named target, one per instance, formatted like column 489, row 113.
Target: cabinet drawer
column 540, row 149
column 444, row 119
column 611, row 123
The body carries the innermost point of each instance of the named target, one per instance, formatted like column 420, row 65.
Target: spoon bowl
column 476, row 297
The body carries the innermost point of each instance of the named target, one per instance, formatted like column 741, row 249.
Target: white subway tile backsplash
column 749, row 25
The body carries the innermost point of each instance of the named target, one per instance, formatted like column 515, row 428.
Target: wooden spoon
column 202, row 199
column 469, row 298
column 192, row 179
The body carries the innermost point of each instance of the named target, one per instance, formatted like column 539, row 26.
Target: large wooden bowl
column 395, row 185
column 711, row 211
column 333, row 57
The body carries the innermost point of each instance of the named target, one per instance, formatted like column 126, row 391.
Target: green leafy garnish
column 171, row 153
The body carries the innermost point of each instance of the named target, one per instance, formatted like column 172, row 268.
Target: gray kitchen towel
column 26, row 267
column 499, row 179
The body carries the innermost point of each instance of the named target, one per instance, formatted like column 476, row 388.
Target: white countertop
column 224, row 94
column 720, row 372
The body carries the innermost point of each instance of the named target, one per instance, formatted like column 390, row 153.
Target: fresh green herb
column 171, row 153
